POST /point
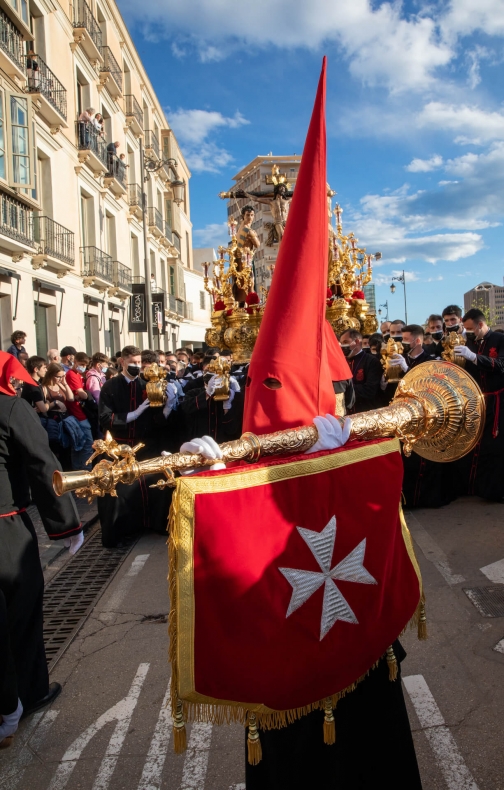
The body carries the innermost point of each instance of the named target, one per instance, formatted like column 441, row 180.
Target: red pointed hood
column 296, row 347
column 11, row 367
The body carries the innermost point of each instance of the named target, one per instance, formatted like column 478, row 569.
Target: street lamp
column 401, row 278
column 149, row 167
column 385, row 305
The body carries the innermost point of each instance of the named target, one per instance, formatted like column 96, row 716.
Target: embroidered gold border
column 181, row 551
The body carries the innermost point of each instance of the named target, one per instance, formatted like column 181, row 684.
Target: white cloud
column 478, row 126
column 382, row 45
column 194, row 127
column 425, row 165
column 212, row 235
column 467, row 16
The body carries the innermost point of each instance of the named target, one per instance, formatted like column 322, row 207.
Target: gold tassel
column 329, row 723
column 422, row 621
column 253, row 741
column 392, row 664
column 179, row 731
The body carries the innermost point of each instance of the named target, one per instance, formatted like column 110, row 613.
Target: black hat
column 67, row 351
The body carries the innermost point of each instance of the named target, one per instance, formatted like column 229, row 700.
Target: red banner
column 292, row 578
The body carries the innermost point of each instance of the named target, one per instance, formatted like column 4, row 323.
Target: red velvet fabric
column 292, row 345
column 246, row 649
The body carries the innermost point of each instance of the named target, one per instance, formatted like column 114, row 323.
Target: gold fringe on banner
column 253, row 741
column 179, row 731
column 422, row 620
column 392, row 663
column 329, row 723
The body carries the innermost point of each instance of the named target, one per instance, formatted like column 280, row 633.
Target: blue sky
column 415, row 118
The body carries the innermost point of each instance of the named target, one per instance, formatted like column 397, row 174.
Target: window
column 202, row 300
column 168, row 212
column 2, row 138
column 41, row 325
column 20, row 141
column 188, row 251
column 172, row 280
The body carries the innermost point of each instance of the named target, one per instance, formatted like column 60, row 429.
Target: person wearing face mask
column 414, row 352
column 452, row 319
column 67, row 355
column 366, row 371
column 124, row 410
column 385, row 329
column 75, row 380
column 484, row 354
column 435, row 326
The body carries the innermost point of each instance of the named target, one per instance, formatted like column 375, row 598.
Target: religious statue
column 247, row 242
column 279, row 204
column 393, row 349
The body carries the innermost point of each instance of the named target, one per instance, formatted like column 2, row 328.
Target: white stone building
column 71, row 236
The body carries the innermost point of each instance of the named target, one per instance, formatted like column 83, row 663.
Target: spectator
column 112, row 157
column 85, row 122
column 153, row 283
column 23, row 358
column 148, row 358
column 95, row 376
column 111, row 372
column 53, row 355
column 75, row 380
column 182, row 355
column 33, row 393
column 56, row 394
column 67, row 357
column 98, row 123
column 32, row 69
column 161, row 358
column 18, row 339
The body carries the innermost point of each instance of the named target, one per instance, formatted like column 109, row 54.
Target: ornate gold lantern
column 451, row 340
column 393, row 373
column 156, row 384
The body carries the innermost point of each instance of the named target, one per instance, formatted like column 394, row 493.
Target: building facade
column 71, row 219
column 255, row 177
column 370, row 294
column 490, row 299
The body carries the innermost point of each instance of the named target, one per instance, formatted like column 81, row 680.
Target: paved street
column 110, row 728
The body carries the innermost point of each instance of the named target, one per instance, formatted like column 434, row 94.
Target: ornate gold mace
column 438, row 411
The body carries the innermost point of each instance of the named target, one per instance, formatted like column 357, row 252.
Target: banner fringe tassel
column 422, row 620
column 179, row 731
column 254, row 748
column 329, row 723
column 392, row 664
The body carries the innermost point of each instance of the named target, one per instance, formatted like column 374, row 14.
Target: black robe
column 26, row 467
column 366, row 373
column 137, row 507
column 481, row 473
column 374, row 747
column 206, row 416
column 426, row 483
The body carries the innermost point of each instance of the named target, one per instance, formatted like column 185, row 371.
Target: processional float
column 288, row 583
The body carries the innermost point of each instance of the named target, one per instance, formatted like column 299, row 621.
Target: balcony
column 110, row 73
column 176, row 242
column 134, row 114
column 87, row 31
column 56, row 249
column 135, row 200
column 19, row 14
column 16, row 226
column 51, row 94
column 115, row 178
column 151, row 144
column 177, row 306
column 12, row 49
column 121, row 276
column 167, row 241
column 155, row 221
column 92, row 148
column 96, row 268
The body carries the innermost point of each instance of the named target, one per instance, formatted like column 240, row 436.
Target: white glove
column 330, row 433
column 233, row 388
column 208, row 448
column 212, row 384
column 399, row 361
column 74, row 543
column 134, row 415
column 171, row 398
column 465, row 352
column 383, row 383
column 233, row 384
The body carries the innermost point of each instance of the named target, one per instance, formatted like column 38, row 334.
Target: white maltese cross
column 305, row 583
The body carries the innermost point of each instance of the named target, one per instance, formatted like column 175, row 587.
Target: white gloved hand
column 233, row 388
column 76, row 542
column 212, row 384
column 171, row 398
column 134, row 415
column 465, row 352
column 330, row 433
column 399, row 361
column 383, row 383
column 208, row 448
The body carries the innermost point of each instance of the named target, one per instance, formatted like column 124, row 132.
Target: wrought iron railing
column 16, row 220
column 83, row 17
column 116, row 168
column 155, row 218
column 54, row 239
column 187, row 310
column 168, row 232
column 137, row 278
column 135, row 195
column 111, row 65
column 172, row 303
column 42, row 80
column 176, row 241
column 151, row 142
column 89, row 139
column 121, row 276
column 11, row 41
column 133, row 108
column 96, row 263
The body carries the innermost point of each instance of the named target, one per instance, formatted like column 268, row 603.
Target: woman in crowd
column 95, row 376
